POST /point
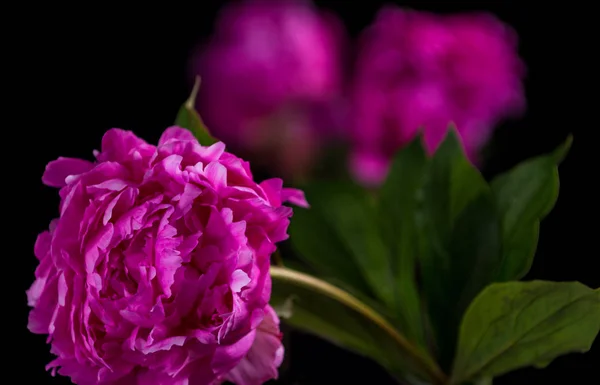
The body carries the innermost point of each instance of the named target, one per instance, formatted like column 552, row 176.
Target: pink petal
column 273, row 190
column 226, row 357
column 216, row 173
column 58, row 170
column 213, row 152
column 239, row 280
column 294, row 196
column 117, row 144
column 42, row 245
column 264, row 357
column 176, row 133
column 369, row 169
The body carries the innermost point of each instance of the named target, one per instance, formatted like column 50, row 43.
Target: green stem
column 422, row 360
column 189, row 103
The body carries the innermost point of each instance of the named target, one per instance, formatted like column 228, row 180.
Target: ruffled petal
column 58, row 170
column 176, row 133
column 265, row 355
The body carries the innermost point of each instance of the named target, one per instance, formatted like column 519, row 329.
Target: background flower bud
column 420, row 70
column 271, row 81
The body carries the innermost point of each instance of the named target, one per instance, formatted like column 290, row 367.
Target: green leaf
column 475, row 248
column 484, row 381
column 398, row 206
column 320, row 308
column 188, row 117
column 562, row 151
column 452, row 182
column 300, row 266
column 460, row 238
column 525, row 195
column 320, row 247
column 516, row 324
column 518, row 252
column 348, row 231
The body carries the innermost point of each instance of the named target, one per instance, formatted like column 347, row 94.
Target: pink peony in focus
column 157, row 270
column 419, row 70
column 271, row 80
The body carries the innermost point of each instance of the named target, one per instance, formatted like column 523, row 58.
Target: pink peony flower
column 419, row 70
column 157, row 270
column 270, row 80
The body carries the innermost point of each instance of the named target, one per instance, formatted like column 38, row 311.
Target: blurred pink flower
column 270, row 77
column 417, row 69
column 157, row 270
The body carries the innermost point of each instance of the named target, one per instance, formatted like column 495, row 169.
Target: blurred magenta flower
column 157, row 270
column 270, row 76
column 420, row 70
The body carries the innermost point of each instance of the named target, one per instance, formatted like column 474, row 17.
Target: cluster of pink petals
column 270, row 75
column 418, row 70
column 157, row 270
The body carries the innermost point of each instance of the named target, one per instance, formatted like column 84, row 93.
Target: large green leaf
column 317, row 307
column 319, row 246
column 188, row 117
column 475, row 248
column 460, row 238
column 516, row 324
column 398, row 206
column 451, row 183
column 342, row 221
column 524, row 196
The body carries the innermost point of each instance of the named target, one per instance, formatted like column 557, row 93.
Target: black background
column 87, row 69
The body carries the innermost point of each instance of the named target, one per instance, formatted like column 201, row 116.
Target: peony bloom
column 270, row 80
column 157, row 270
column 419, row 70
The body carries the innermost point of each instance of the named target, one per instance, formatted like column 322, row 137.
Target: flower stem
column 422, row 360
column 191, row 101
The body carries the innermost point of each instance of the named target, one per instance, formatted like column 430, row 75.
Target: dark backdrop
column 89, row 69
